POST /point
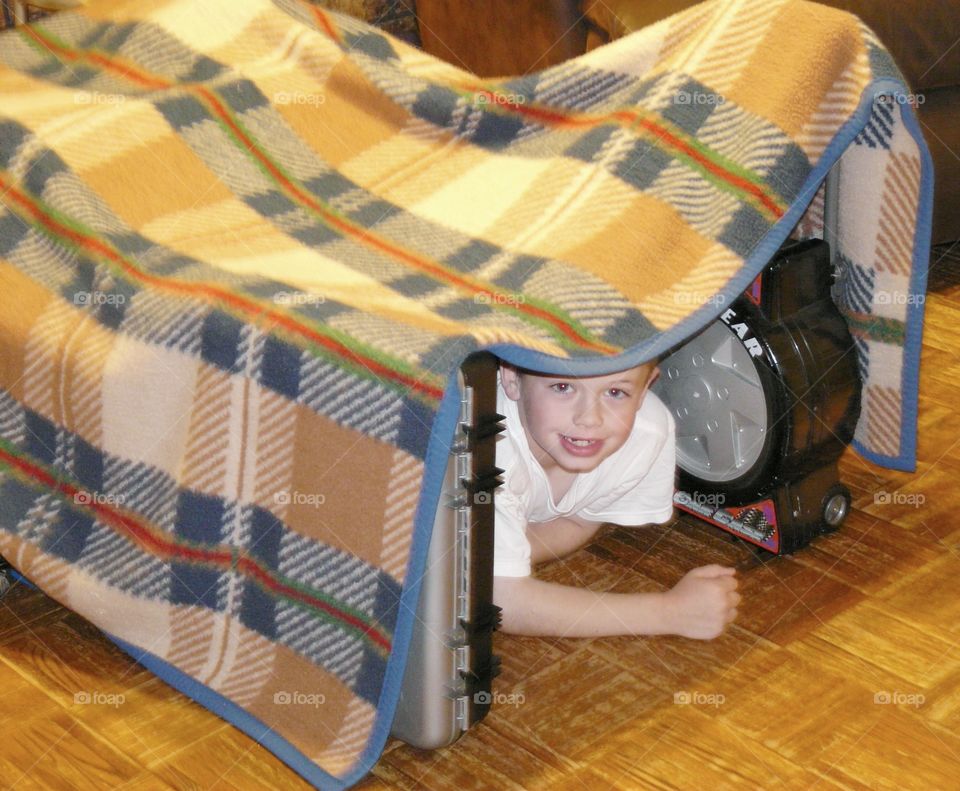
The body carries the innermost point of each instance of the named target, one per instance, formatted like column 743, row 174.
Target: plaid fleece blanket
column 245, row 244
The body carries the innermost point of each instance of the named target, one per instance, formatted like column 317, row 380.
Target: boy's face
column 577, row 422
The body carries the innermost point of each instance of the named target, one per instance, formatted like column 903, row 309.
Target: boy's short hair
column 528, row 372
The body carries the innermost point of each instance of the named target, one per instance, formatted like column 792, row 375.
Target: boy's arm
column 700, row 605
column 558, row 537
column 534, row 607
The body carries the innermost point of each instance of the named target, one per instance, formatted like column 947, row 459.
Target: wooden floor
column 842, row 671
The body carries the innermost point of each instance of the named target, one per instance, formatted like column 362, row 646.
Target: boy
column 578, row 452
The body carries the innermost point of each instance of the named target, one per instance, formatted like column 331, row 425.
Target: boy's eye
column 616, row 392
column 561, row 387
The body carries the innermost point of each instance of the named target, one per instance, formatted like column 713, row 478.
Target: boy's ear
column 510, row 379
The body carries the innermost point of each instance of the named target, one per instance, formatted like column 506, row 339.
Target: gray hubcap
column 712, row 387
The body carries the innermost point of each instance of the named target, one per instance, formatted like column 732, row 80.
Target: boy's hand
column 702, row 603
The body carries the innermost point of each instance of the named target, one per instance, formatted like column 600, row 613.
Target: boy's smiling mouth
column 580, row 446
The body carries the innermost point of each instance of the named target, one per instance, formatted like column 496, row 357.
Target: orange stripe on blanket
column 659, row 131
column 354, row 231
column 254, row 311
column 158, row 544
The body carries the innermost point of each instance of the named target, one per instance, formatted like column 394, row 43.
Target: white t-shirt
column 633, row 486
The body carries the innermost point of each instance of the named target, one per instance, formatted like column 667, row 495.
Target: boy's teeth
column 580, row 441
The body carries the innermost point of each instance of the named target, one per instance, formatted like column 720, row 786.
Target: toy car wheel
column 723, row 402
column 836, row 506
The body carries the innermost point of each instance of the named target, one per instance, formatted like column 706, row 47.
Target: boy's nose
column 588, row 414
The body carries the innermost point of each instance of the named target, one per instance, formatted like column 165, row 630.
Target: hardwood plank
column 864, row 479
column 928, row 504
column 19, row 699
column 941, row 321
column 22, row 607
column 575, row 702
column 802, row 711
column 938, row 382
column 225, row 759
column 674, row 664
column 842, row 663
column 923, row 599
column 666, row 755
column 522, row 656
column 385, row 776
column 868, row 551
column 153, row 722
column 664, row 553
column 599, row 568
column 783, row 599
column 486, row 757
column 378, row 779
column 941, row 705
column 918, row 654
column 69, row 665
column 717, row 546
column 55, row 752
column 899, row 751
